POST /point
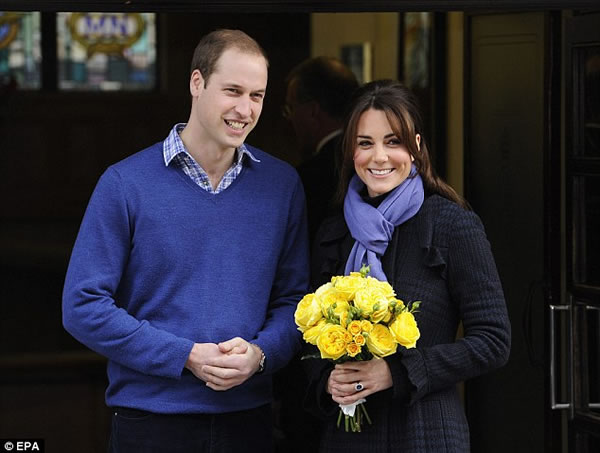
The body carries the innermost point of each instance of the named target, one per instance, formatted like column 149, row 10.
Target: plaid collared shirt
column 174, row 151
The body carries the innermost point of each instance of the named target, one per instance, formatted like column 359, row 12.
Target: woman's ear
column 418, row 140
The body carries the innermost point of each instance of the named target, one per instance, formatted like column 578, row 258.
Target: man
column 188, row 266
column 317, row 92
column 316, row 96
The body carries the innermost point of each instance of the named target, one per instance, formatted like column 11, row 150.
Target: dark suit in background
column 317, row 92
column 320, row 176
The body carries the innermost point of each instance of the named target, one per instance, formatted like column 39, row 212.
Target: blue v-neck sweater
column 159, row 264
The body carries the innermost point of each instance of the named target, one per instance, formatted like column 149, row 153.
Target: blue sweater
column 159, row 264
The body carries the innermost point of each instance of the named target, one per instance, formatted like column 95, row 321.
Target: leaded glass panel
column 20, row 50
column 106, row 51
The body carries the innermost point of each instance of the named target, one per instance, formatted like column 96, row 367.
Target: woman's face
column 381, row 160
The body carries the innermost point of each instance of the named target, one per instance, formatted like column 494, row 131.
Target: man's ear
column 196, row 83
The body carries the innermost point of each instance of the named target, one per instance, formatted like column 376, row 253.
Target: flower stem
column 364, row 410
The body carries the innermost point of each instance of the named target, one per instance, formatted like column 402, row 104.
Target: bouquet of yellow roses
column 356, row 317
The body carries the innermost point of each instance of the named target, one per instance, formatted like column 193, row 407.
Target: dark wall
column 53, row 148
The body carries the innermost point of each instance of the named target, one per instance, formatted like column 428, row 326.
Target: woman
column 414, row 231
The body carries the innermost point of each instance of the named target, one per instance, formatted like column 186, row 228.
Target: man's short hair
column 211, row 47
column 326, row 80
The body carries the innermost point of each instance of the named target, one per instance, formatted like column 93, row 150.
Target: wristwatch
column 261, row 364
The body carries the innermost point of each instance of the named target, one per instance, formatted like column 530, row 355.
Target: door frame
column 570, row 418
column 290, row 6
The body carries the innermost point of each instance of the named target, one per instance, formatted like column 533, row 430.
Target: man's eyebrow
column 238, row 86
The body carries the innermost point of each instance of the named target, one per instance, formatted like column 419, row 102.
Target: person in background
column 414, row 231
column 187, row 268
column 317, row 93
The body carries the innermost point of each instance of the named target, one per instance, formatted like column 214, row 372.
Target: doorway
column 575, row 322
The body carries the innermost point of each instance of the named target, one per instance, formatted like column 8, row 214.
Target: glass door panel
column 591, row 101
column 586, row 226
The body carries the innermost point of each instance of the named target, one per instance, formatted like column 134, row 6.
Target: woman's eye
column 364, row 143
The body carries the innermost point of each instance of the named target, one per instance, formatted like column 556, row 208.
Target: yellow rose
column 380, row 341
column 404, row 329
column 349, row 284
column 348, row 337
column 384, row 287
column 324, row 287
column 324, row 292
column 353, row 349
column 360, row 339
column 382, row 314
column 310, row 335
column 354, row 327
column 332, row 342
column 366, row 326
column 328, row 296
column 308, row 312
column 399, row 303
column 341, row 309
column 372, row 302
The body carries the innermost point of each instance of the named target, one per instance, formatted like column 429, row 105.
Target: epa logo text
column 22, row 445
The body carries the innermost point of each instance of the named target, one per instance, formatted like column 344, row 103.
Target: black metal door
column 575, row 323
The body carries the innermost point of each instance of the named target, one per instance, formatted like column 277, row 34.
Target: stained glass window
column 20, row 54
column 106, row 51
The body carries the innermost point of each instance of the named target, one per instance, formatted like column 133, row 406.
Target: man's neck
column 215, row 161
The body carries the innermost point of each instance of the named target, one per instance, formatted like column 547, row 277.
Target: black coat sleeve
column 474, row 287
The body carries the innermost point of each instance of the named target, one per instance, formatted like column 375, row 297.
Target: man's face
column 228, row 107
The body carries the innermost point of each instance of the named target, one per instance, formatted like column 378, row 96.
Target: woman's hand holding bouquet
column 355, row 318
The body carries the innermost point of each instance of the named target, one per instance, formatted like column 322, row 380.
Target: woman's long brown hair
column 401, row 109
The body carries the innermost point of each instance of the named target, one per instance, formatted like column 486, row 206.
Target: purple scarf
column 372, row 227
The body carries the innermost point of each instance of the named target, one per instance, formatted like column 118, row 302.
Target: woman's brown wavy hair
column 402, row 111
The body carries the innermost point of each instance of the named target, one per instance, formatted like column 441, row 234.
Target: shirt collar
column 325, row 139
column 173, row 145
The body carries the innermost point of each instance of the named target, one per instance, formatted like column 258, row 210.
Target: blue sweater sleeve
column 91, row 311
column 279, row 337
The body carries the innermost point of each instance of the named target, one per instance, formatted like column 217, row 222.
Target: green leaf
column 364, row 270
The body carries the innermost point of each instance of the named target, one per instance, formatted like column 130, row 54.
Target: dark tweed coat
column 441, row 257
